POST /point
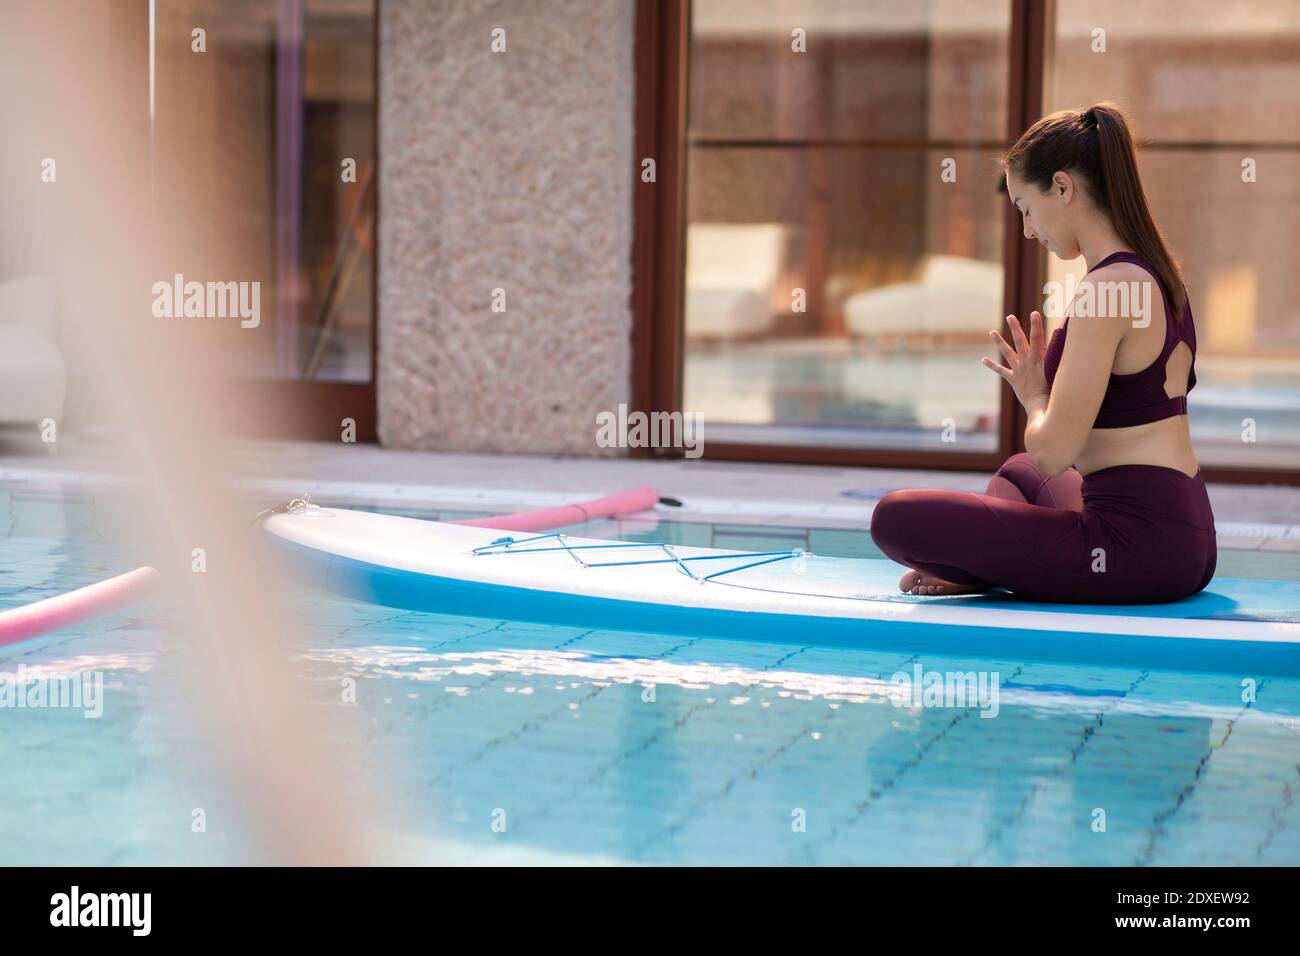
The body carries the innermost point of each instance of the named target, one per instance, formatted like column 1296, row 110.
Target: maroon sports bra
column 1138, row 397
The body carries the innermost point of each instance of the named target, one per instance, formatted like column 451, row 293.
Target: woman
column 1131, row 522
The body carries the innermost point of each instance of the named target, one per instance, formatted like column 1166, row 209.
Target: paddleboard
column 1238, row 625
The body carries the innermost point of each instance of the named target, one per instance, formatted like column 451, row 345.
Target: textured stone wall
column 510, row 171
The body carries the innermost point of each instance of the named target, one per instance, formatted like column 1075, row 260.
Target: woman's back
column 1143, row 418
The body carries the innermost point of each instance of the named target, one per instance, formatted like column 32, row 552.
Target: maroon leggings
column 1130, row 534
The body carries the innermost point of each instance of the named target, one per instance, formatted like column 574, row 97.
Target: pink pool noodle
column 543, row 519
column 41, row 617
column 64, row 610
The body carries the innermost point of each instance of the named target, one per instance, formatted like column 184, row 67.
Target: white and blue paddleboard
column 1241, row 625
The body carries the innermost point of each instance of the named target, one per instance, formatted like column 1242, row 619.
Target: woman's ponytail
column 1127, row 202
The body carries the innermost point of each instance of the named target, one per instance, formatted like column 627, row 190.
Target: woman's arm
column 1058, row 425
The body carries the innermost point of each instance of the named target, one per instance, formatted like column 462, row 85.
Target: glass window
column 844, row 225
column 282, row 104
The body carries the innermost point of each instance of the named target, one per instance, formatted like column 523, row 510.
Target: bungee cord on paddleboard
column 507, row 546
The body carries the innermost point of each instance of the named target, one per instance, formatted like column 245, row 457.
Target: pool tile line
column 677, row 724
column 631, row 753
column 666, row 833
column 889, row 784
column 533, row 723
column 1088, row 733
column 446, row 700
column 1278, row 817
column 530, row 724
column 568, row 642
column 1144, row 857
column 680, row 722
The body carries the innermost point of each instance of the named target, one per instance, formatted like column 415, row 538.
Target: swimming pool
column 502, row 742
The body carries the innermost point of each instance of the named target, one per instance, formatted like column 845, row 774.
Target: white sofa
column 33, row 377
column 952, row 295
column 731, row 275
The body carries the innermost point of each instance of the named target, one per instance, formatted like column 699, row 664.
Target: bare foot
column 914, row 582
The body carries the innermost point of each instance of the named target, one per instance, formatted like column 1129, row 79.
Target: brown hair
column 1096, row 145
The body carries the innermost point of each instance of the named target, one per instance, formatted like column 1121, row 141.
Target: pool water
column 504, row 742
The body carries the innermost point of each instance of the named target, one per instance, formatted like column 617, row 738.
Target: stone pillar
column 505, row 178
